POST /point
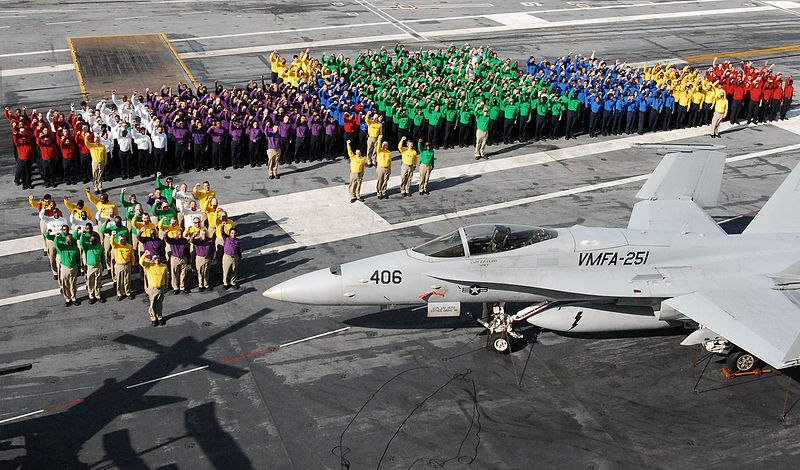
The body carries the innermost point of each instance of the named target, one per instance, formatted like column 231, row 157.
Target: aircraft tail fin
column 781, row 213
column 694, row 176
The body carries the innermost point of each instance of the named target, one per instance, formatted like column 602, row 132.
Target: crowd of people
column 166, row 235
column 461, row 96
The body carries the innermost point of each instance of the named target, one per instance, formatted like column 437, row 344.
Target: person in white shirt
column 84, row 111
column 106, row 140
column 159, row 146
column 79, row 223
column 182, row 197
column 190, row 212
column 143, row 147
column 125, row 144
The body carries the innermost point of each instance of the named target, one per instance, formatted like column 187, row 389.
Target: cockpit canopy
column 481, row 239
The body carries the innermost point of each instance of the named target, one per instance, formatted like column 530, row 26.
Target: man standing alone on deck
column 356, row 173
column 156, row 273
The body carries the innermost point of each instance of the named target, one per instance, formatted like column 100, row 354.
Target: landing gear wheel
column 741, row 361
column 500, row 343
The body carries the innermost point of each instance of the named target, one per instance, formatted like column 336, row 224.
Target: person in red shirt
column 68, row 154
column 49, row 152
column 26, row 156
column 755, row 91
column 84, row 159
column 766, row 102
column 350, row 127
column 777, row 99
column 736, row 100
column 788, row 91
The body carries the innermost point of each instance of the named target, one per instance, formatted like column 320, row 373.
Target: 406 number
column 387, row 277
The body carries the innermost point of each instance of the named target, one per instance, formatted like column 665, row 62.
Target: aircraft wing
column 674, row 216
column 694, row 176
column 780, row 214
column 752, row 315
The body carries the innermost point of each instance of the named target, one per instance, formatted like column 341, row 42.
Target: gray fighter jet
column 672, row 266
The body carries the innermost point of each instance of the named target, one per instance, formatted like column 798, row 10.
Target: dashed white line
column 167, row 377
column 277, row 31
column 18, row 54
column 63, row 22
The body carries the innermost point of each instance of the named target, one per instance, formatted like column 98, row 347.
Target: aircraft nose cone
column 273, row 292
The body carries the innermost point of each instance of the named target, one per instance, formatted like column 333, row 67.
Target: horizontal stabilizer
column 694, row 176
column 751, row 315
column 781, row 213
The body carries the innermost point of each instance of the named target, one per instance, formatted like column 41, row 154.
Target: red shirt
column 25, row 151
column 738, row 92
column 777, row 93
column 788, row 91
column 755, row 93
column 48, row 147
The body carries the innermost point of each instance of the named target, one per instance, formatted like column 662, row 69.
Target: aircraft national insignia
column 474, row 289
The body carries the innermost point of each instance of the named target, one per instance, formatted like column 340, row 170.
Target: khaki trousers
column 230, row 268
column 355, row 185
column 201, row 265
column 406, row 174
column 178, row 268
column 51, row 255
column 272, row 161
column 480, row 143
column 97, row 175
column 383, row 180
column 715, row 122
column 43, row 229
column 156, row 296
column 424, row 176
column 372, row 150
column 68, row 280
column 109, row 253
column 122, row 276
column 94, row 280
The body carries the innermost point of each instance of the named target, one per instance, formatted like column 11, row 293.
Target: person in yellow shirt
column 123, row 261
column 98, row 154
column 356, row 173
column 374, row 129
column 105, row 209
column 275, row 66
column 384, row 168
column 708, row 104
column 156, row 273
column 409, row 156
column 694, row 110
column 203, row 195
column 720, row 111
column 77, row 208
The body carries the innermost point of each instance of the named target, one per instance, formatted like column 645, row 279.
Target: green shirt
column 166, row 191
column 510, row 111
column 69, row 254
column 482, row 122
column 425, row 156
column 95, row 253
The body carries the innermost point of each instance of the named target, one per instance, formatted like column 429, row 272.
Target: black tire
column 741, row 361
column 500, row 343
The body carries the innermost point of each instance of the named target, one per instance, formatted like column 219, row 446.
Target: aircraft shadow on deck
column 55, row 440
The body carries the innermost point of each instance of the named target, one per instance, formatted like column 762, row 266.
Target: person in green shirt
column 556, row 115
column 434, row 117
column 464, row 125
column 450, row 116
column 129, row 206
column 482, row 122
column 95, row 264
column 168, row 189
column 542, row 108
column 510, row 113
column 573, row 111
column 70, row 266
column 425, row 165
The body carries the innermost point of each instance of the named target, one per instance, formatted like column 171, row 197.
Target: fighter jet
column 672, row 266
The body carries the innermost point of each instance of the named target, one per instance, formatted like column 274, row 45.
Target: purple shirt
column 302, row 129
column 204, row 247
column 181, row 135
column 178, row 247
column 236, row 133
column 154, row 245
column 231, row 246
column 284, row 128
column 199, row 136
column 217, row 134
column 273, row 140
column 254, row 133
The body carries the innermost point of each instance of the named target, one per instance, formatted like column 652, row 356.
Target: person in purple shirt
column 156, row 198
column 300, row 142
column 256, row 137
column 199, row 144
column 317, row 129
column 273, row 151
column 204, row 252
column 236, row 133
column 218, row 135
column 181, row 135
column 331, row 128
column 286, row 130
column 153, row 244
column 178, row 262
column 232, row 254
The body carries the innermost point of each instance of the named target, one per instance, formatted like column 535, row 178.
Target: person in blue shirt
column 656, row 110
column 619, row 114
column 609, row 104
column 595, row 109
column 630, row 112
column 669, row 110
column 644, row 106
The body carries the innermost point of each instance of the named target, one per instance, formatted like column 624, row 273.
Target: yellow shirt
column 203, row 196
column 171, row 230
column 710, row 96
column 108, row 209
column 274, row 62
column 721, row 106
column 356, row 162
column 123, row 254
column 374, row 128
column 97, row 151
column 697, row 97
column 213, row 216
column 77, row 211
column 409, row 156
column 156, row 273
column 140, row 226
column 191, row 230
column 227, row 226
